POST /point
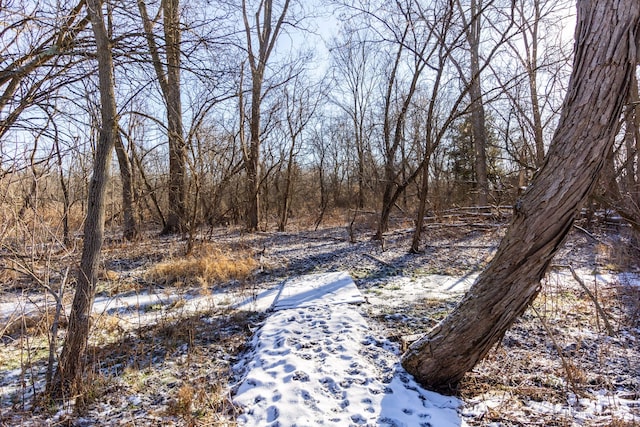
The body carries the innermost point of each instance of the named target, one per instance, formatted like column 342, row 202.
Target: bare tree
column 261, row 37
column 416, row 39
column 169, row 79
column 473, row 27
column 69, row 375
column 533, row 81
column 32, row 55
column 354, row 71
column 301, row 101
column 530, row 61
column 440, row 112
column 607, row 39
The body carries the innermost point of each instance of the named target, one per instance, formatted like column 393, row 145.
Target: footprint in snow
column 272, row 414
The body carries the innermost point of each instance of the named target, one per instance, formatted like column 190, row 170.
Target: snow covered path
column 315, row 362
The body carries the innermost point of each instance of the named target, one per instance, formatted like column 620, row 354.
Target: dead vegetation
column 205, row 267
column 171, row 365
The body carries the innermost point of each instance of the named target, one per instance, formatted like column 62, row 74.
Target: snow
column 582, row 409
column 315, row 362
column 123, row 304
column 400, row 290
column 317, row 289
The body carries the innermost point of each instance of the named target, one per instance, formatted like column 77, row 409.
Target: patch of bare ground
column 169, row 364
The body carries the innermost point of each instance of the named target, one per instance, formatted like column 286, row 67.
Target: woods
column 393, row 123
column 598, row 90
column 282, row 115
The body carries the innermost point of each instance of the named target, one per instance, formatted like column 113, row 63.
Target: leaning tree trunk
column 68, row 378
column 605, row 57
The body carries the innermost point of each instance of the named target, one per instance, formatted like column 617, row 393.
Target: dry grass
column 33, row 324
column 179, row 366
column 207, row 266
column 549, row 363
column 185, row 362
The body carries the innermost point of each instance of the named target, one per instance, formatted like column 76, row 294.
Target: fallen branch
column 378, row 260
column 599, row 308
column 463, row 224
column 591, row 235
column 566, row 364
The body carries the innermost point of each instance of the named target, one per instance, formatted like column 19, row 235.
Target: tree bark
column 605, row 59
column 177, row 146
column 478, row 120
column 258, row 56
column 169, row 81
column 68, row 378
column 130, row 226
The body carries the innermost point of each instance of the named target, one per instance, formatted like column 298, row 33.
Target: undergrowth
column 206, row 266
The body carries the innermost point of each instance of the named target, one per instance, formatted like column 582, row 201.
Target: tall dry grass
column 205, row 267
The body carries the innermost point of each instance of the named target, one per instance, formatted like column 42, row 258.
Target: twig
column 378, row 260
column 599, row 308
column 565, row 363
column 591, row 235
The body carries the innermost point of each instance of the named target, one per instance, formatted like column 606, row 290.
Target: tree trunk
column 605, row 57
column 169, row 81
column 324, row 197
column 66, row 203
column 531, row 66
column 478, row 119
column 422, row 204
column 360, row 150
column 177, row 147
column 68, row 378
column 130, row 226
column 258, row 56
column 284, row 214
column 253, row 161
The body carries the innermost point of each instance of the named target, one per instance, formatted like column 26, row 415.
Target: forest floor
column 166, row 348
